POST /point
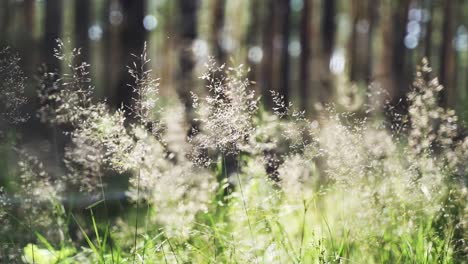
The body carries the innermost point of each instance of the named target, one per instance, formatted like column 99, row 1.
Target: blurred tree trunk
column 82, row 24
column 275, row 62
column 373, row 9
column 29, row 7
column 360, row 46
column 385, row 70
column 52, row 31
column 4, row 22
column 252, row 36
column 391, row 71
column 26, row 37
column 107, row 55
column 448, row 54
column 187, row 33
column 267, row 44
column 217, row 30
column 132, row 36
column 359, row 32
column 400, row 20
column 328, row 26
column 328, row 33
column 281, row 44
column 429, row 6
column 306, row 52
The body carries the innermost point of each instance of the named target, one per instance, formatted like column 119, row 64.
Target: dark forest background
column 312, row 51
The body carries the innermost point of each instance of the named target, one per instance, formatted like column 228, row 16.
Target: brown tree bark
column 26, row 37
column 448, row 55
column 328, row 34
column 187, row 24
column 385, row 68
column 52, row 31
column 306, row 53
column 252, row 36
column 267, row 45
column 360, row 46
column 400, row 72
column 283, row 14
column 82, row 24
column 132, row 36
column 218, row 14
column 429, row 5
column 4, row 22
column 328, row 26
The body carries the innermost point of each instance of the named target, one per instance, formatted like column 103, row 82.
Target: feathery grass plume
column 298, row 176
column 99, row 139
column 38, row 198
column 162, row 174
column 435, row 144
column 432, row 127
column 146, row 89
column 12, row 88
column 66, row 98
column 226, row 113
column 300, row 134
column 99, row 143
column 176, row 188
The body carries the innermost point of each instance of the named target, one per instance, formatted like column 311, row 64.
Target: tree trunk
column 385, row 68
column 429, row 4
column 29, row 7
column 282, row 36
column 306, row 52
column 217, row 29
column 82, row 24
column 328, row 26
column 52, row 31
column 26, row 38
column 267, row 44
column 187, row 21
column 447, row 55
column 400, row 72
column 4, row 22
column 252, row 36
column 360, row 46
column 132, row 37
column 373, row 9
column 328, row 33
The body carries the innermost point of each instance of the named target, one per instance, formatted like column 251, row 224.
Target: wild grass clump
column 243, row 185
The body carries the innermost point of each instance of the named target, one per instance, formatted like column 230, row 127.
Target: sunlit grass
column 239, row 184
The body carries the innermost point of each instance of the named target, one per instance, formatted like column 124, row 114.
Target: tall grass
column 246, row 185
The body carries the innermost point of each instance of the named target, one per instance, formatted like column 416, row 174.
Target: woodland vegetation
column 222, row 131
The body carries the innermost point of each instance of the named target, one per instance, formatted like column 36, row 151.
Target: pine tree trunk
column 447, row 55
column 267, row 44
column 217, row 28
column 4, row 22
column 27, row 37
column 82, row 24
column 283, row 17
column 360, row 46
column 400, row 72
column 328, row 33
column 132, row 37
column 52, row 31
column 187, row 24
column 306, row 52
column 252, row 36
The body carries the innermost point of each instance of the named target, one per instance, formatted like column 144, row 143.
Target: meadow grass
column 234, row 183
